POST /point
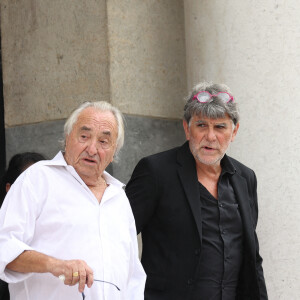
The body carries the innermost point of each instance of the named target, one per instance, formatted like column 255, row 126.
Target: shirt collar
column 59, row 160
column 112, row 180
column 227, row 166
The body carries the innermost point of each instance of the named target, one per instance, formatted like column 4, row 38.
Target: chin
column 87, row 172
column 209, row 162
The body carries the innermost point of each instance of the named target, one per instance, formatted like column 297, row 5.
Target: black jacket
column 164, row 195
column 4, row 293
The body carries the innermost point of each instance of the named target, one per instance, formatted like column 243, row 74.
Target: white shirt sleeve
column 137, row 277
column 17, row 224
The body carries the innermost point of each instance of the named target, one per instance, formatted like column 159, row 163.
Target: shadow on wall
column 143, row 136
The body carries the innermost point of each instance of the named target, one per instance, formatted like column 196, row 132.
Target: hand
column 75, row 271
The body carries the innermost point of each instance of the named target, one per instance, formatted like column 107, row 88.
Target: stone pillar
column 254, row 48
column 58, row 54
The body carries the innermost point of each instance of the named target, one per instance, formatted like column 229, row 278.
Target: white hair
column 101, row 106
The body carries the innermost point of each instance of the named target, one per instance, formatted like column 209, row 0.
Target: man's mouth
column 89, row 160
column 208, row 148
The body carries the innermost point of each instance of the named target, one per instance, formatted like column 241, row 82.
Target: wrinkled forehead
column 222, row 118
column 96, row 121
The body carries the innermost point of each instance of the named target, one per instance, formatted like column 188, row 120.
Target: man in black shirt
column 197, row 210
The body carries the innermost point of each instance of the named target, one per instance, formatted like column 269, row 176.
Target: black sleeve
column 259, row 260
column 141, row 191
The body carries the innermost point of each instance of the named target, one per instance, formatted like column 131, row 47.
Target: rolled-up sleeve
column 17, row 224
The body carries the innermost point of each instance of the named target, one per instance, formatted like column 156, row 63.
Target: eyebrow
column 107, row 133
column 205, row 122
column 85, row 128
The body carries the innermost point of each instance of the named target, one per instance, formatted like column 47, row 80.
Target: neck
column 97, row 187
column 209, row 175
column 95, row 182
column 209, row 170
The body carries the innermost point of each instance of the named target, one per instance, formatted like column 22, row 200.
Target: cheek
column 74, row 150
column 196, row 136
column 225, row 140
column 106, row 155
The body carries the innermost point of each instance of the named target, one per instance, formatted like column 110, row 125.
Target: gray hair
column 214, row 109
column 101, row 106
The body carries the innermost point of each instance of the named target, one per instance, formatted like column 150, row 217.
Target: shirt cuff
column 10, row 251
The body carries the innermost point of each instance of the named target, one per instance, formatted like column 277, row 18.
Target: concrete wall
column 147, row 56
column 143, row 136
column 55, row 56
column 254, row 48
column 58, row 54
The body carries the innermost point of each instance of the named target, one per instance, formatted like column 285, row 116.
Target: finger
column 89, row 277
column 82, row 281
column 75, row 277
column 69, row 278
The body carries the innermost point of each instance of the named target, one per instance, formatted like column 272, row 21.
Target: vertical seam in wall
column 108, row 68
column 2, row 113
column 108, row 52
column 186, row 24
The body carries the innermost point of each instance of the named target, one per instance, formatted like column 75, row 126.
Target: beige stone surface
column 55, row 56
column 254, row 48
column 147, row 56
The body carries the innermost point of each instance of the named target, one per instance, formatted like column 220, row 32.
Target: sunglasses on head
column 204, row 97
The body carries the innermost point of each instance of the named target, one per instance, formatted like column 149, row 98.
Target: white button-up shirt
column 51, row 210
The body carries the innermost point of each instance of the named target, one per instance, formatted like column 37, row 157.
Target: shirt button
column 190, row 281
column 221, row 205
column 223, row 231
column 197, row 252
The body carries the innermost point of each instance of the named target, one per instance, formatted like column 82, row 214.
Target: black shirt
column 222, row 242
column 4, row 293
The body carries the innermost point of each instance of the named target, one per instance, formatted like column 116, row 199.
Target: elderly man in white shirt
column 66, row 223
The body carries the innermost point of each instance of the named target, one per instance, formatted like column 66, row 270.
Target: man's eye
column 200, row 125
column 220, row 126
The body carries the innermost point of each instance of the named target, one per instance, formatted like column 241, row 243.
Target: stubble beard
column 195, row 151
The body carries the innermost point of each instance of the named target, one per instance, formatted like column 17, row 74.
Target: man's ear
column 186, row 129
column 235, row 130
column 7, row 187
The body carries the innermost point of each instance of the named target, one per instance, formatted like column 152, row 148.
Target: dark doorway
column 2, row 127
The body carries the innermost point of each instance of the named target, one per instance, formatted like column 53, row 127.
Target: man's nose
column 92, row 148
column 211, row 135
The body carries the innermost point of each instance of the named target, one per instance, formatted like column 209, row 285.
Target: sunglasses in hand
column 83, row 295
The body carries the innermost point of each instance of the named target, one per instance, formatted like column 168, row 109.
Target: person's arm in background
column 141, row 191
column 259, row 260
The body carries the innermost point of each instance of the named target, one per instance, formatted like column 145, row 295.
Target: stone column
column 254, row 48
